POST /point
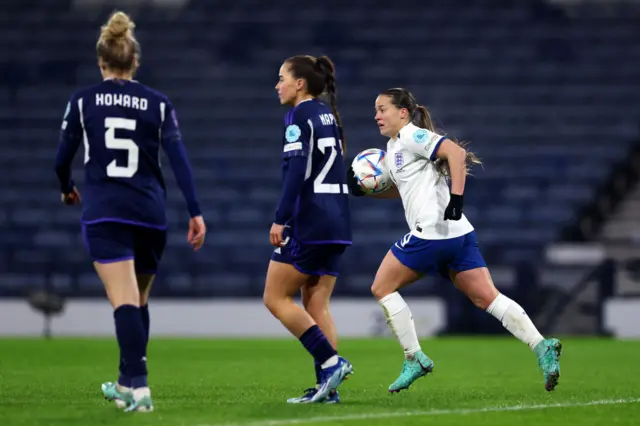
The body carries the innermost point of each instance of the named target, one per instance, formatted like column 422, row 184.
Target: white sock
column 401, row 323
column 330, row 362
column 124, row 389
column 139, row 393
column 516, row 320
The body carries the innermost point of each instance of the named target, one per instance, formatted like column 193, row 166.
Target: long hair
column 320, row 75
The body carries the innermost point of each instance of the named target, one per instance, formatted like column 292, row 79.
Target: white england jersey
column 424, row 192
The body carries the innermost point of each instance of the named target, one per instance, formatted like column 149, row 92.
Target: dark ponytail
column 326, row 66
column 422, row 118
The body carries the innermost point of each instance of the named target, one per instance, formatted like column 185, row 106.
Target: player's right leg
column 149, row 245
column 111, row 246
column 393, row 274
column 123, row 384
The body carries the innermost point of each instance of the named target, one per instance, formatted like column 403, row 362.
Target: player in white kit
column 441, row 240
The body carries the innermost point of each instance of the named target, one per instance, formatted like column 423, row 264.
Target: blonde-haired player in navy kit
column 441, row 241
column 123, row 124
column 312, row 224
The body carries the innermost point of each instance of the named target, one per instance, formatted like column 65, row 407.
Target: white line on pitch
column 436, row 412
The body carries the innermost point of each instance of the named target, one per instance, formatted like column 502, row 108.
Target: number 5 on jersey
column 112, row 142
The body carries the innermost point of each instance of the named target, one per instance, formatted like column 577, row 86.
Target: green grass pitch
column 477, row 381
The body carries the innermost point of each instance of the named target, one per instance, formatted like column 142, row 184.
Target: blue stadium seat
column 531, row 90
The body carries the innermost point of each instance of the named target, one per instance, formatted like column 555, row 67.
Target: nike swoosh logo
column 425, row 369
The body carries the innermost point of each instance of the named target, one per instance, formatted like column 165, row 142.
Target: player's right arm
column 70, row 138
column 171, row 140
column 295, row 154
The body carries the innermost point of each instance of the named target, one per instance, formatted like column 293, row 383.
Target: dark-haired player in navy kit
column 122, row 125
column 312, row 226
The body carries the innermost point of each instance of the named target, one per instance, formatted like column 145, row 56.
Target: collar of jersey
column 404, row 127
column 303, row 101
column 111, row 78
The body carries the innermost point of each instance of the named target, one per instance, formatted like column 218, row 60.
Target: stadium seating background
column 548, row 99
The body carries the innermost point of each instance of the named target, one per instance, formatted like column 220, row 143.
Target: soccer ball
column 371, row 171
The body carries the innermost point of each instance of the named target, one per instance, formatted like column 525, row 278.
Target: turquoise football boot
column 113, row 392
column 549, row 351
column 412, row 369
column 142, row 405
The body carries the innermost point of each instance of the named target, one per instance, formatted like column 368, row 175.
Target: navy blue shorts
column 109, row 242
column 437, row 257
column 316, row 259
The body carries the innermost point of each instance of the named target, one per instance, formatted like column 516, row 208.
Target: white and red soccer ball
column 371, row 171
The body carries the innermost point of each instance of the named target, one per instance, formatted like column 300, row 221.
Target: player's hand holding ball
column 197, row 231
column 72, row 198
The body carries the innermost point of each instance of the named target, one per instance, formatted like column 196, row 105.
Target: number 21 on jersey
column 319, row 184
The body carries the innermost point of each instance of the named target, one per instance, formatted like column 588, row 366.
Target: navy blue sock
column 318, row 369
column 317, row 344
column 132, row 341
column 144, row 311
column 125, row 379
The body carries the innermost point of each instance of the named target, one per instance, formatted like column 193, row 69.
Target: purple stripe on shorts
column 343, row 242
column 120, row 259
column 127, row 222
column 315, row 273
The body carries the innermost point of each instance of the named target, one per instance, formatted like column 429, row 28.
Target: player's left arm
column 456, row 156
column 70, row 138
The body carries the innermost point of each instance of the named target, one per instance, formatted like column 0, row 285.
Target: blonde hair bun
column 119, row 26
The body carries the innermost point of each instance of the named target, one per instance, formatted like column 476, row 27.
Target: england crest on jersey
column 399, row 160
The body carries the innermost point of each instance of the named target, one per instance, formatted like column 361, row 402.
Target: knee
column 380, row 291
column 484, row 299
column 480, row 302
column 272, row 302
column 268, row 301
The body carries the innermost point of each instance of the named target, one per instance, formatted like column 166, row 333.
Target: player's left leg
column 283, row 282
column 316, row 294
column 123, row 385
column 291, row 268
column 148, row 247
column 470, row 274
column 122, row 289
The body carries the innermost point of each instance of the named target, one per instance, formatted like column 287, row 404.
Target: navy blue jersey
column 123, row 125
column 321, row 213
